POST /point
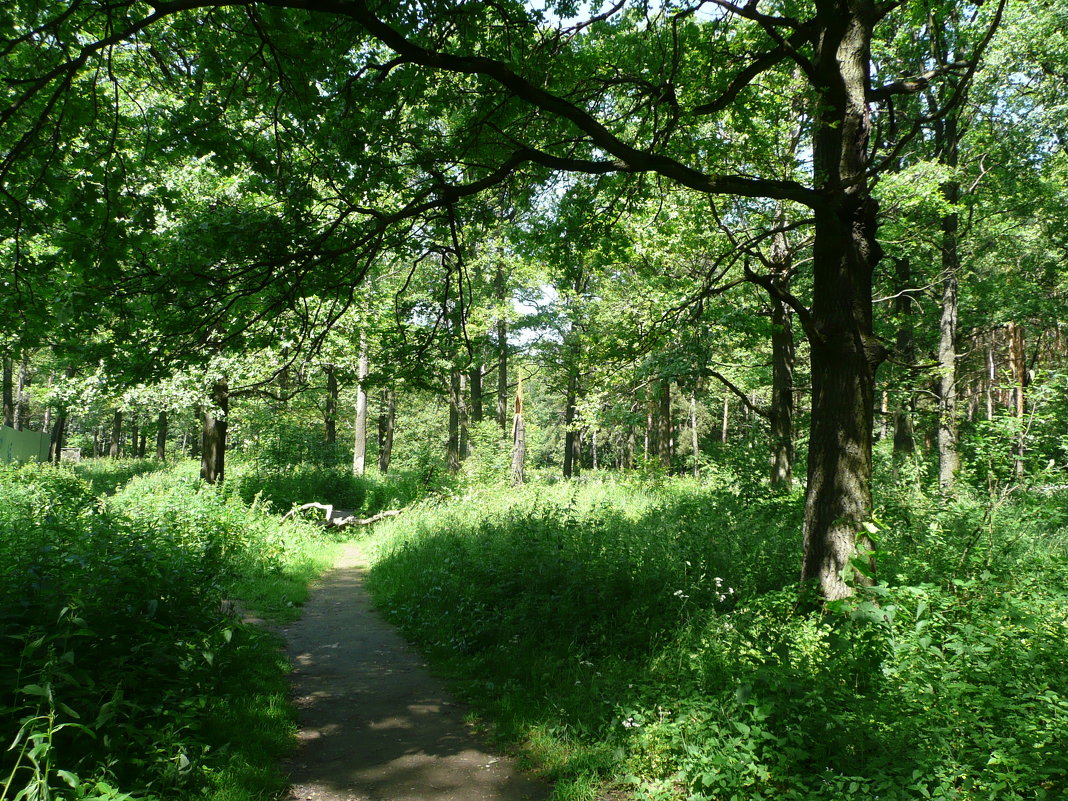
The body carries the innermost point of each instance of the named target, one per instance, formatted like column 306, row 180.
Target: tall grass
column 645, row 637
column 123, row 673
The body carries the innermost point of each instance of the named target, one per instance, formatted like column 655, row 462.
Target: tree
column 595, row 103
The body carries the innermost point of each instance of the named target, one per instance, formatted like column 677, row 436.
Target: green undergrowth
column 645, row 638
column 280, row 487
column 125, row 671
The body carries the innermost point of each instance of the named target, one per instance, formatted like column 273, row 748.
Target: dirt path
column 374, row 724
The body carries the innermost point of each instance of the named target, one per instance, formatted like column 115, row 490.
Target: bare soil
column 375, row 725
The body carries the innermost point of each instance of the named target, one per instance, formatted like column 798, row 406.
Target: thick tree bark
column 161, row 435
column 330, row 418
column 213, row 440
column 116, row 435
column 948, row 452
column 387, row 417
column 359, row 449
column 665, row 433
column 8, row 390
column 844, row 351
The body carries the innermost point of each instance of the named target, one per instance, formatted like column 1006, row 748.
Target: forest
column 714, row 355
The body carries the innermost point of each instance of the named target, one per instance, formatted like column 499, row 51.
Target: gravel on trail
column 374, row 724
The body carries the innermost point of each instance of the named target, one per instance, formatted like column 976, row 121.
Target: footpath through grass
column 123, row 674
column 644, row 638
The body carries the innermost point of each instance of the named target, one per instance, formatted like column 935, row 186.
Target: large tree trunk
column 665, row 434
column 948, row 453
column 330, row 418
column 161, row 436
column 844, row 352
column 387, row 417
column 8, row 390
column 359, row 449
column 213, row 440
column 116, row 435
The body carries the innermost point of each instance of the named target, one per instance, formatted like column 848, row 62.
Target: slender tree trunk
column 59, row 435
column 8, row 390
column 47, row 421
column 904, row 406
column 844, row 350
column 330, row 418
column 1018, row 366
column 213, row 445
column 781, row 409
column 22, row 401
column 116, row 435
column 135, row 434
column 453, row 448
column 359, row 450
column 726, row 419
column 664, row 437
column 197, row 440
column 386, row 421
column 948, row 452
column 991, row 376
column 572, row 443
column 502, row 373
column 476, row 391
column 695, row 440
column 593, row 448
column 464, row 419
column 519, row 438
column 161, row 435
column 144, row 442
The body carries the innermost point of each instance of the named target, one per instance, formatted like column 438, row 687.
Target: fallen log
column 339, row 518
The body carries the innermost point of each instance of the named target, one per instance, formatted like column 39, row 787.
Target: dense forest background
column 715, row 353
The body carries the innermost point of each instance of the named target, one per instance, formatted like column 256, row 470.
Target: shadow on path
column 374, row 724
